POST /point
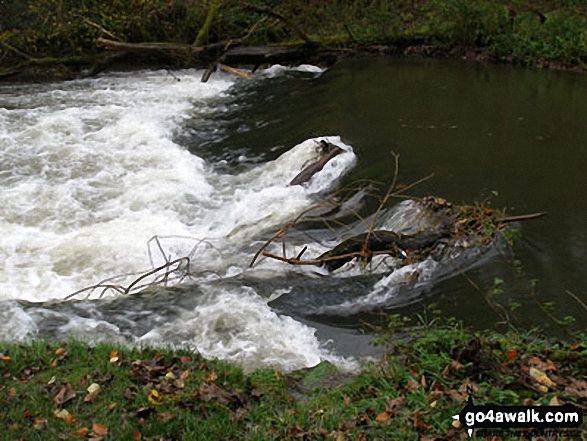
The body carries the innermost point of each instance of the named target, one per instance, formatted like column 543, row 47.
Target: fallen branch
column 328, row 151
column 522, row 217
column 235, row 71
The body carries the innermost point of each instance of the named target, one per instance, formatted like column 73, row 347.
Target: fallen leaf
column 136, row 435
column 171, row 376
column 541, row 377
column 184, row 360
column 5, row 359
column 512, row 353
column 99, row 429
column 65, row 394
column 114, row 356
column 27, row 414
column 577, row 388
column 81, row 432
column 184, row 375
column 39, row 423
column 112, row 406
column 393, row 406
column 64, row 415
column 93, row 388
column 412, row 384
column 554, row 401
column 61, row 351
column 11, row 392
column 209, row 392
column 155, row 397
column 382, row 417
column 165, row 416
column 276, row 375
column 52, row 380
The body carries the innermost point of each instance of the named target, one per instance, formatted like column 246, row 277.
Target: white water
column 90, row 172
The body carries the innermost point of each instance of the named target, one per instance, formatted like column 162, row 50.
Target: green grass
column 161, row 394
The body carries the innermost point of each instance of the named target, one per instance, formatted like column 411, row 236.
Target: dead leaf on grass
column 382, row 417
column 64, row 415
column 577, row 388
column 82, row 432
column 64, row 395
column 99, row 429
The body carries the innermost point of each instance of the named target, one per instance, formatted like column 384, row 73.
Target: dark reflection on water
column 480, row 129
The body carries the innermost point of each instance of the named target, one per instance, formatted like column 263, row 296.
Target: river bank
column 63, row 43
column 70, row 390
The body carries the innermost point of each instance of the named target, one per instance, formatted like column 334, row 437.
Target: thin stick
column 523, row 217
column 235, row 71
column 577, row 299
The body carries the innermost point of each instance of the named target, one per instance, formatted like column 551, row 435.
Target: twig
column 577, row 299
column 522, row 217
column 285, row 20
column 100, row 28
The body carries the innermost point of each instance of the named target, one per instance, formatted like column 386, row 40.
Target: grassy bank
column 73, row 391
column 61, row 34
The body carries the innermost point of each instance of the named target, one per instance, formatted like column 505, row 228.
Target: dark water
column 481, row 130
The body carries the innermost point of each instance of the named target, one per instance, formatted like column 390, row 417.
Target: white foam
column 238, row 325
column 90, row 172
column 278, row 69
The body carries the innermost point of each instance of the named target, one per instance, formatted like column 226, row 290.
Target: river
column 93, row 169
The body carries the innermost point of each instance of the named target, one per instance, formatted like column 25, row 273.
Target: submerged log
column 380, row 241
column 328, row 151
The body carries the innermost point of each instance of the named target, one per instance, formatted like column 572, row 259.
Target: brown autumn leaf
column 114, row 356
column 382, row 417
column 136, row 435
column 512, row 353
column 212, row 377
column 209, row 392
column 5, row 358
column 412, row 385
column 81, row 432
column 61, row 351
column 394, row 406
column 64, row 395
column 11, row 392
column 99, row 429
column 577, row 388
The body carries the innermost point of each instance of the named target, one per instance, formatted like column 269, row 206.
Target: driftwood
column 328, row 151
column 380, row 241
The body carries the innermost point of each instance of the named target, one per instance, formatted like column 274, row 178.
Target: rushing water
column 91, row 170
